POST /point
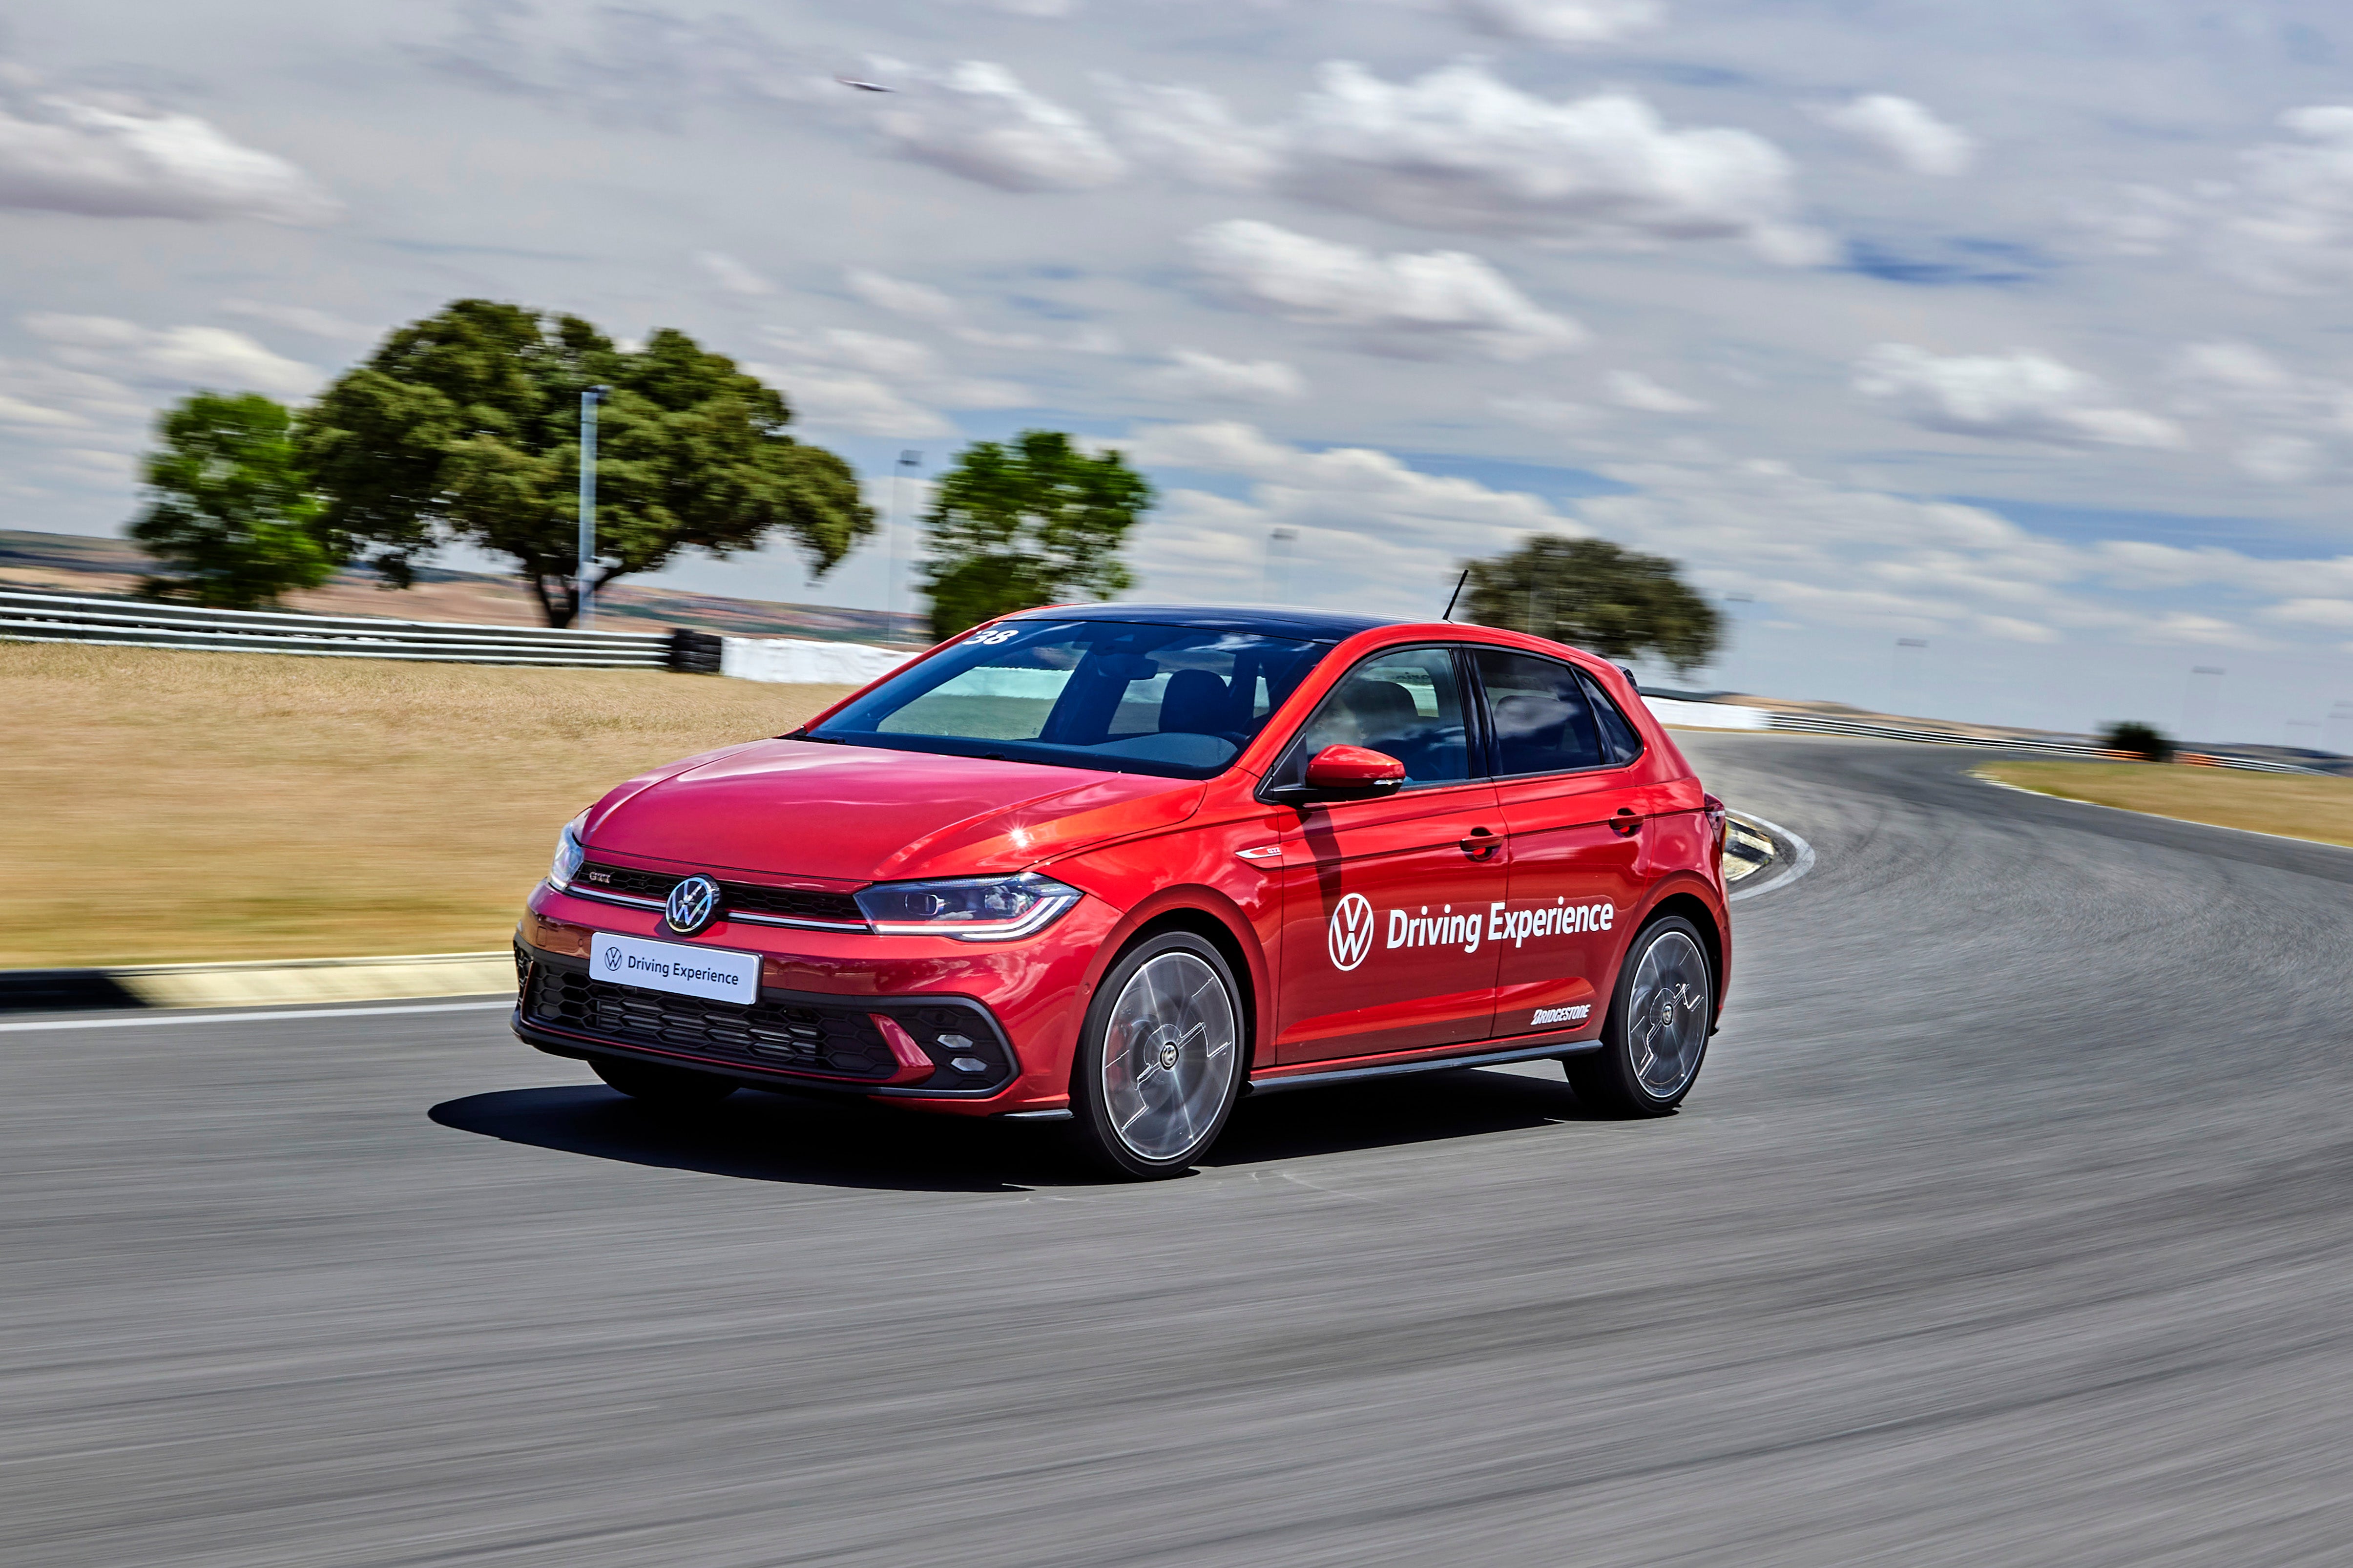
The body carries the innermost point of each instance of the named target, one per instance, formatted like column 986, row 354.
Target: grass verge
column 164, row 806
column 2296, row 806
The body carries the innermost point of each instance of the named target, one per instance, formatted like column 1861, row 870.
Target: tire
column 1656, row 1034
column 1159, row 1060
column 659, row 1085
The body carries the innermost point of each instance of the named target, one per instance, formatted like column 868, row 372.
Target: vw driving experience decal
column 1350, row 937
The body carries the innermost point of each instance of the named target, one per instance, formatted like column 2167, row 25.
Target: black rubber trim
column 1432, row 1065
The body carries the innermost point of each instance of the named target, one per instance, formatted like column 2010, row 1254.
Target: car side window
column 1620, row 740
column 1405, row 702
column 1539, row 713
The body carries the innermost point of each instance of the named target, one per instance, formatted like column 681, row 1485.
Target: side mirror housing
column 1345, row 773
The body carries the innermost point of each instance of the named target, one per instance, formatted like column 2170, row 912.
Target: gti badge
column 692, row 905
column 1351, row 934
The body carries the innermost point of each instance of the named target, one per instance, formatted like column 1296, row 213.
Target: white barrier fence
column 801, row 662
column 1735, row 716
column 130, row 622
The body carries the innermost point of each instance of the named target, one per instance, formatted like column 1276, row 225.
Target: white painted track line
column 261, row 1015
column 1797, row 867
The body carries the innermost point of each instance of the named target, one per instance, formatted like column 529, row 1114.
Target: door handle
column 1625, row 824
column 1481, row 845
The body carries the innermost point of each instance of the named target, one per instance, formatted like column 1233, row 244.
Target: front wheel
column 661, row 1085
column 1657, row 1030
column 1159, row 1062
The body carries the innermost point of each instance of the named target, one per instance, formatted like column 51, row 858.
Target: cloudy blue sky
column 2017, row 330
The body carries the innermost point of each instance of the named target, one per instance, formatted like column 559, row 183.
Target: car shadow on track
column 756, row 1137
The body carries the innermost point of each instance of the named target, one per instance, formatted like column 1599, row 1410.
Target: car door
column 1386, row 901
column 1560, row 752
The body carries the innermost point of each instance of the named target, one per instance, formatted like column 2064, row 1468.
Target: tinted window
column 1404, row 703
column 1179, row 702
column 1538, row 712
column 1618, row 736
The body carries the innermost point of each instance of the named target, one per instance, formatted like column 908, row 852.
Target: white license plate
column 711, row 972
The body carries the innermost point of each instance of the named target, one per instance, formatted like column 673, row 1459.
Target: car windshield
column 1179, row 702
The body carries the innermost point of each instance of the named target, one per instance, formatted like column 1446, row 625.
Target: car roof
column 1274, row 621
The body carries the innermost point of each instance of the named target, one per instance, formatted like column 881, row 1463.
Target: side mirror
column 1345, row 773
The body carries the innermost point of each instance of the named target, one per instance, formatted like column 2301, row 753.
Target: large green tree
column 230, row 520
column 1596, row 595
column 466, row 425
column 1032, row 521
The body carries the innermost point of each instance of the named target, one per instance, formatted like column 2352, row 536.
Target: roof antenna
column 1456, row 594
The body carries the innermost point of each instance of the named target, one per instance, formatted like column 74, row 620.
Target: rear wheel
column 1159, row 1062
column 1656, row 1033
column 663, row 1085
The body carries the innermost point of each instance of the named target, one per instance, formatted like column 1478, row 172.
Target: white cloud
column 107, row 157
column 1439, row 305
column 1554, row 414
column 1191, row 133
column 303, row 319
column 1903, row 131
column 732, row 276
column 185, row 356
column 875, row 384
column 1632, row 389
column 1377, row 532
column 918, row 301
column 1190, row 373
column 19, row 412
column 1561, row 21
column 827, row 400
column 1459, row 150
column 976, row 121
column 2288, row 429
column 2021, row 395
column 1042, row 8
column 2291, row 231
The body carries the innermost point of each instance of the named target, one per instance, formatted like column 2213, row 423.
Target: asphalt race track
column 2011, row 1223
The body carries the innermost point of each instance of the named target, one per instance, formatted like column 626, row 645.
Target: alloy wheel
column 1169, row 1056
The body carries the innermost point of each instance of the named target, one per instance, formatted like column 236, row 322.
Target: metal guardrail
column 130, row 622
column 1810, row 724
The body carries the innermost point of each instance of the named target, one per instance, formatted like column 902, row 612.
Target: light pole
column 584, row 591
column 1278, row 541
column 2198, row 702
column 1725, row 673
column 907, row 459
column 1904, row 670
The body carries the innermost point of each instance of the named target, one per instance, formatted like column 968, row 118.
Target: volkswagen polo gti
column 1123, row 864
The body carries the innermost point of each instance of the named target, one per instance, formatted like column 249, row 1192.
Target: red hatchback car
column 1126, row 863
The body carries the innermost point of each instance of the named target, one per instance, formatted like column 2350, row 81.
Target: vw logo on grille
column 1350, row 936
column 692, row 905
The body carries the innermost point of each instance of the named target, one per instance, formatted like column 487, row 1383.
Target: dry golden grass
column 2297, row 806
column 163, row 805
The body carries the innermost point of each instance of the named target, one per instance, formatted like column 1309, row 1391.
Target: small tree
column 1032, row 522
column 231, row 522
column 1592, row 594
column 2135, row 738
column 466, row 425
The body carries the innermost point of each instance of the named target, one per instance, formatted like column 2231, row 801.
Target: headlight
column 568, row 855
column 969, row 908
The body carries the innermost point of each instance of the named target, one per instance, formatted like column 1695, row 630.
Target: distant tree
column 466, row 425
column 1033, row 521
column 1594, row 595
column 231, row 522
column 2135, row 738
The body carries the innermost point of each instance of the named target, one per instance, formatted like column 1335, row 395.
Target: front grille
column 750, row 898
column 834, row 1038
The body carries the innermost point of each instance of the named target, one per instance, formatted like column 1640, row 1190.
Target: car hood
column 854, row 814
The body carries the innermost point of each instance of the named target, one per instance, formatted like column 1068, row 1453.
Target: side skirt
column 1432, row 1065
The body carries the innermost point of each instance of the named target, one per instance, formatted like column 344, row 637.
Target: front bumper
column 828, row 1006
